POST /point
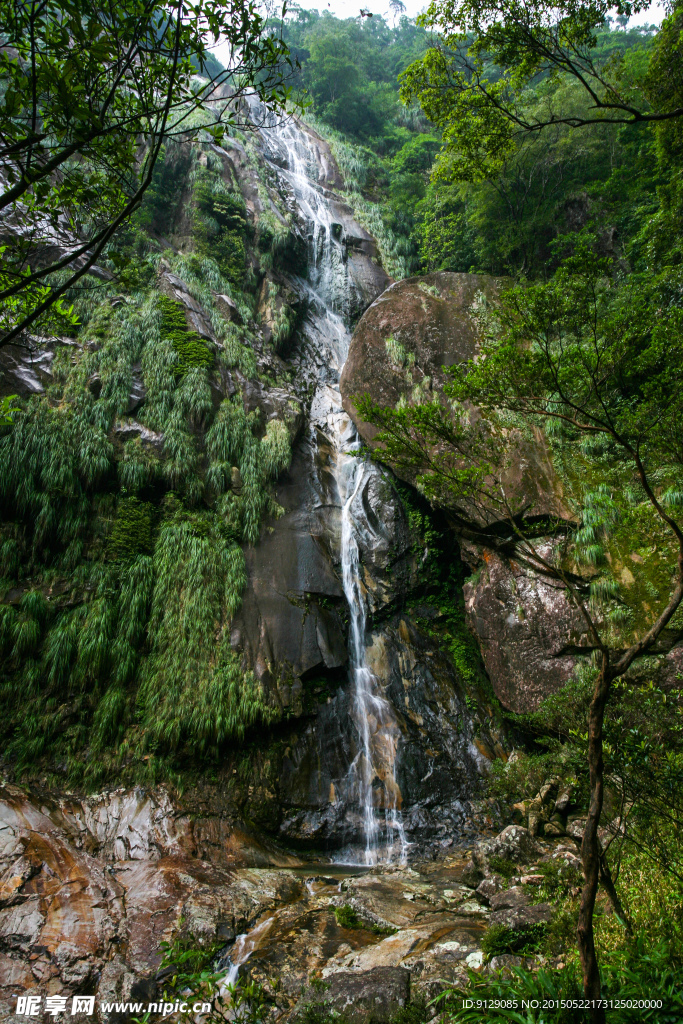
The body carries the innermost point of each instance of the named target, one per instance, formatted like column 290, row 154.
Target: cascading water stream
column 373, row 714
column 371, row 784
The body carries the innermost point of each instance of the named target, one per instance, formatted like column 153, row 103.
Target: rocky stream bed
column 91, row 889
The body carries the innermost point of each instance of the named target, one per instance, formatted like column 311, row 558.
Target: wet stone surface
column 421, row 923
column 91, row 888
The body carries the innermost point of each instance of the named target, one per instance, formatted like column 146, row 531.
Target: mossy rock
column 191, row 349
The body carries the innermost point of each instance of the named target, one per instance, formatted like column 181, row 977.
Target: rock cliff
column 526, row 630
column 530, row 636
column 92, row 887
column 291, row 629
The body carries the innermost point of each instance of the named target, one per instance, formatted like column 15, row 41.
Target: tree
column 474, row 82
column 90, row 92
column 600, row 360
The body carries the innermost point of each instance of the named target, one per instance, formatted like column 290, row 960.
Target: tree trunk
column 610, row 889
column 590, row 847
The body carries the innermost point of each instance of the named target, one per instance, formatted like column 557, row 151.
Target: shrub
column 644, row 975
column 503, row 866
column 220, row 226
column 347, row 917
column 503, row 997
column 131, row 533
column 194, row 689
column 499, row 939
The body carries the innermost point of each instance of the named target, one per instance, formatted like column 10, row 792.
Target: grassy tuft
column 131, row 533
column 499, row 939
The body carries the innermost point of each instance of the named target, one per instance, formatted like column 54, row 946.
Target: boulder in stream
column 362, row 996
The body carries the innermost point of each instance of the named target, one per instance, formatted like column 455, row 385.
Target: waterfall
column 373, row 715
column 370, row 785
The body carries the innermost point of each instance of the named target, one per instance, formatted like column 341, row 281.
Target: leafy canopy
column 475, row 81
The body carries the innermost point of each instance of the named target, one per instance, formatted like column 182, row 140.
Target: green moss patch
column 191, row 350
column 500, row 939
column 131, row 533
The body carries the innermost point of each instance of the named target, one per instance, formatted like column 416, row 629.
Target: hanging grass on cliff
column 122, row 535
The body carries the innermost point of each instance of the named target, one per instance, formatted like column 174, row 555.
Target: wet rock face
column 89, row 889
column 323, row 166
column 25, row 370
column 291, row 620
column 528, row 631
column 438, row 767
column 355, row 252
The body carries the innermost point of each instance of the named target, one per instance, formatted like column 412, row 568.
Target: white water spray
column 372, row 772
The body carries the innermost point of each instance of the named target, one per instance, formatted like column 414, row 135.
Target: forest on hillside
column 615, row 176
column 559, row 167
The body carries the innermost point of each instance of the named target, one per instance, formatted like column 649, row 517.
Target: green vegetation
column 183, row 960
column 191, row 350
column 632, row 982
column 124, row 542
column 189, row 974
column 131, row 532
column 499, row 939
column 495, row 209
column 633, row 969
column 437, row 603
column 347, row 917
column 515, row 171
column 504, row 867
column 220, row 225
column 350, row 70
column 585, row 347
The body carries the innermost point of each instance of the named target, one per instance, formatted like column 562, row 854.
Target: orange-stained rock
column 89, row 888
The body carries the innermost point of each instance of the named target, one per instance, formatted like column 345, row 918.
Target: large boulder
column 513, row 909
column 360, row 996
column 529, row 632
column 513, row 843
column 415, row 328
column 399, row 349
